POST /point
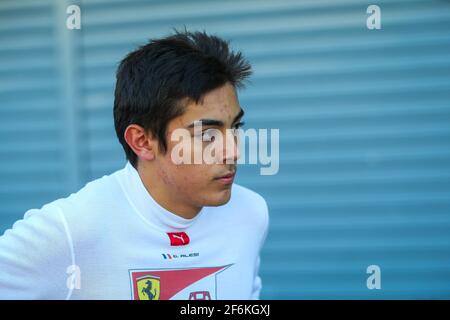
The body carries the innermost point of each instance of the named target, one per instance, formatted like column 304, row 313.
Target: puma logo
column 178, row 238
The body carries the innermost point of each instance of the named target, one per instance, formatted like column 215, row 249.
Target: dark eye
column 239, row 125
column 208, row 135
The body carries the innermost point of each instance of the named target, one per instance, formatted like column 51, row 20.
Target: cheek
column 164, row 176
column 185, row 178
column 192, row 176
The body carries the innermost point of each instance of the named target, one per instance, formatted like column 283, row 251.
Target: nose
column 231, row 152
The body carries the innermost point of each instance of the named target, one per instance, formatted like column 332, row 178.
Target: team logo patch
column 148, row 287
column 182, row 284
column 178, row 238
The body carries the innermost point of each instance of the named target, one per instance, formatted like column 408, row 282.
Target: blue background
column 364, row 119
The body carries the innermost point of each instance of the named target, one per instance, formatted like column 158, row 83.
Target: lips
column 228, row 175
column 227, row 178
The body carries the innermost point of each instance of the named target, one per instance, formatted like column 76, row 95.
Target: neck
column 163, row 194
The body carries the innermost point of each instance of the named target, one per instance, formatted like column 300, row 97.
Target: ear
column 143, row 143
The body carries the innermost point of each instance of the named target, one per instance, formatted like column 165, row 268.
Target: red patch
column 178, row 238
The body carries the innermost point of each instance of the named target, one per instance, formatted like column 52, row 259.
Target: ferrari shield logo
column 148, row 287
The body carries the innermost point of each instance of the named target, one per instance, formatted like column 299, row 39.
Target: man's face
column 200, row 184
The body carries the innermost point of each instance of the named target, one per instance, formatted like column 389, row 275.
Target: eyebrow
column 214, row 122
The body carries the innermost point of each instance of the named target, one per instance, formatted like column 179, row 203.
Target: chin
column 219, row 198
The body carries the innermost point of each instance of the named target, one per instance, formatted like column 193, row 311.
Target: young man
column 159, row 228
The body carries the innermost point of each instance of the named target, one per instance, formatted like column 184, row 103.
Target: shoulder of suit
column 250, row 201
column 247, row 196
column 97, row 190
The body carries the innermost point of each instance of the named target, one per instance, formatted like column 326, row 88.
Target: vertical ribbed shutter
column 32, row 170
column 363, row 118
